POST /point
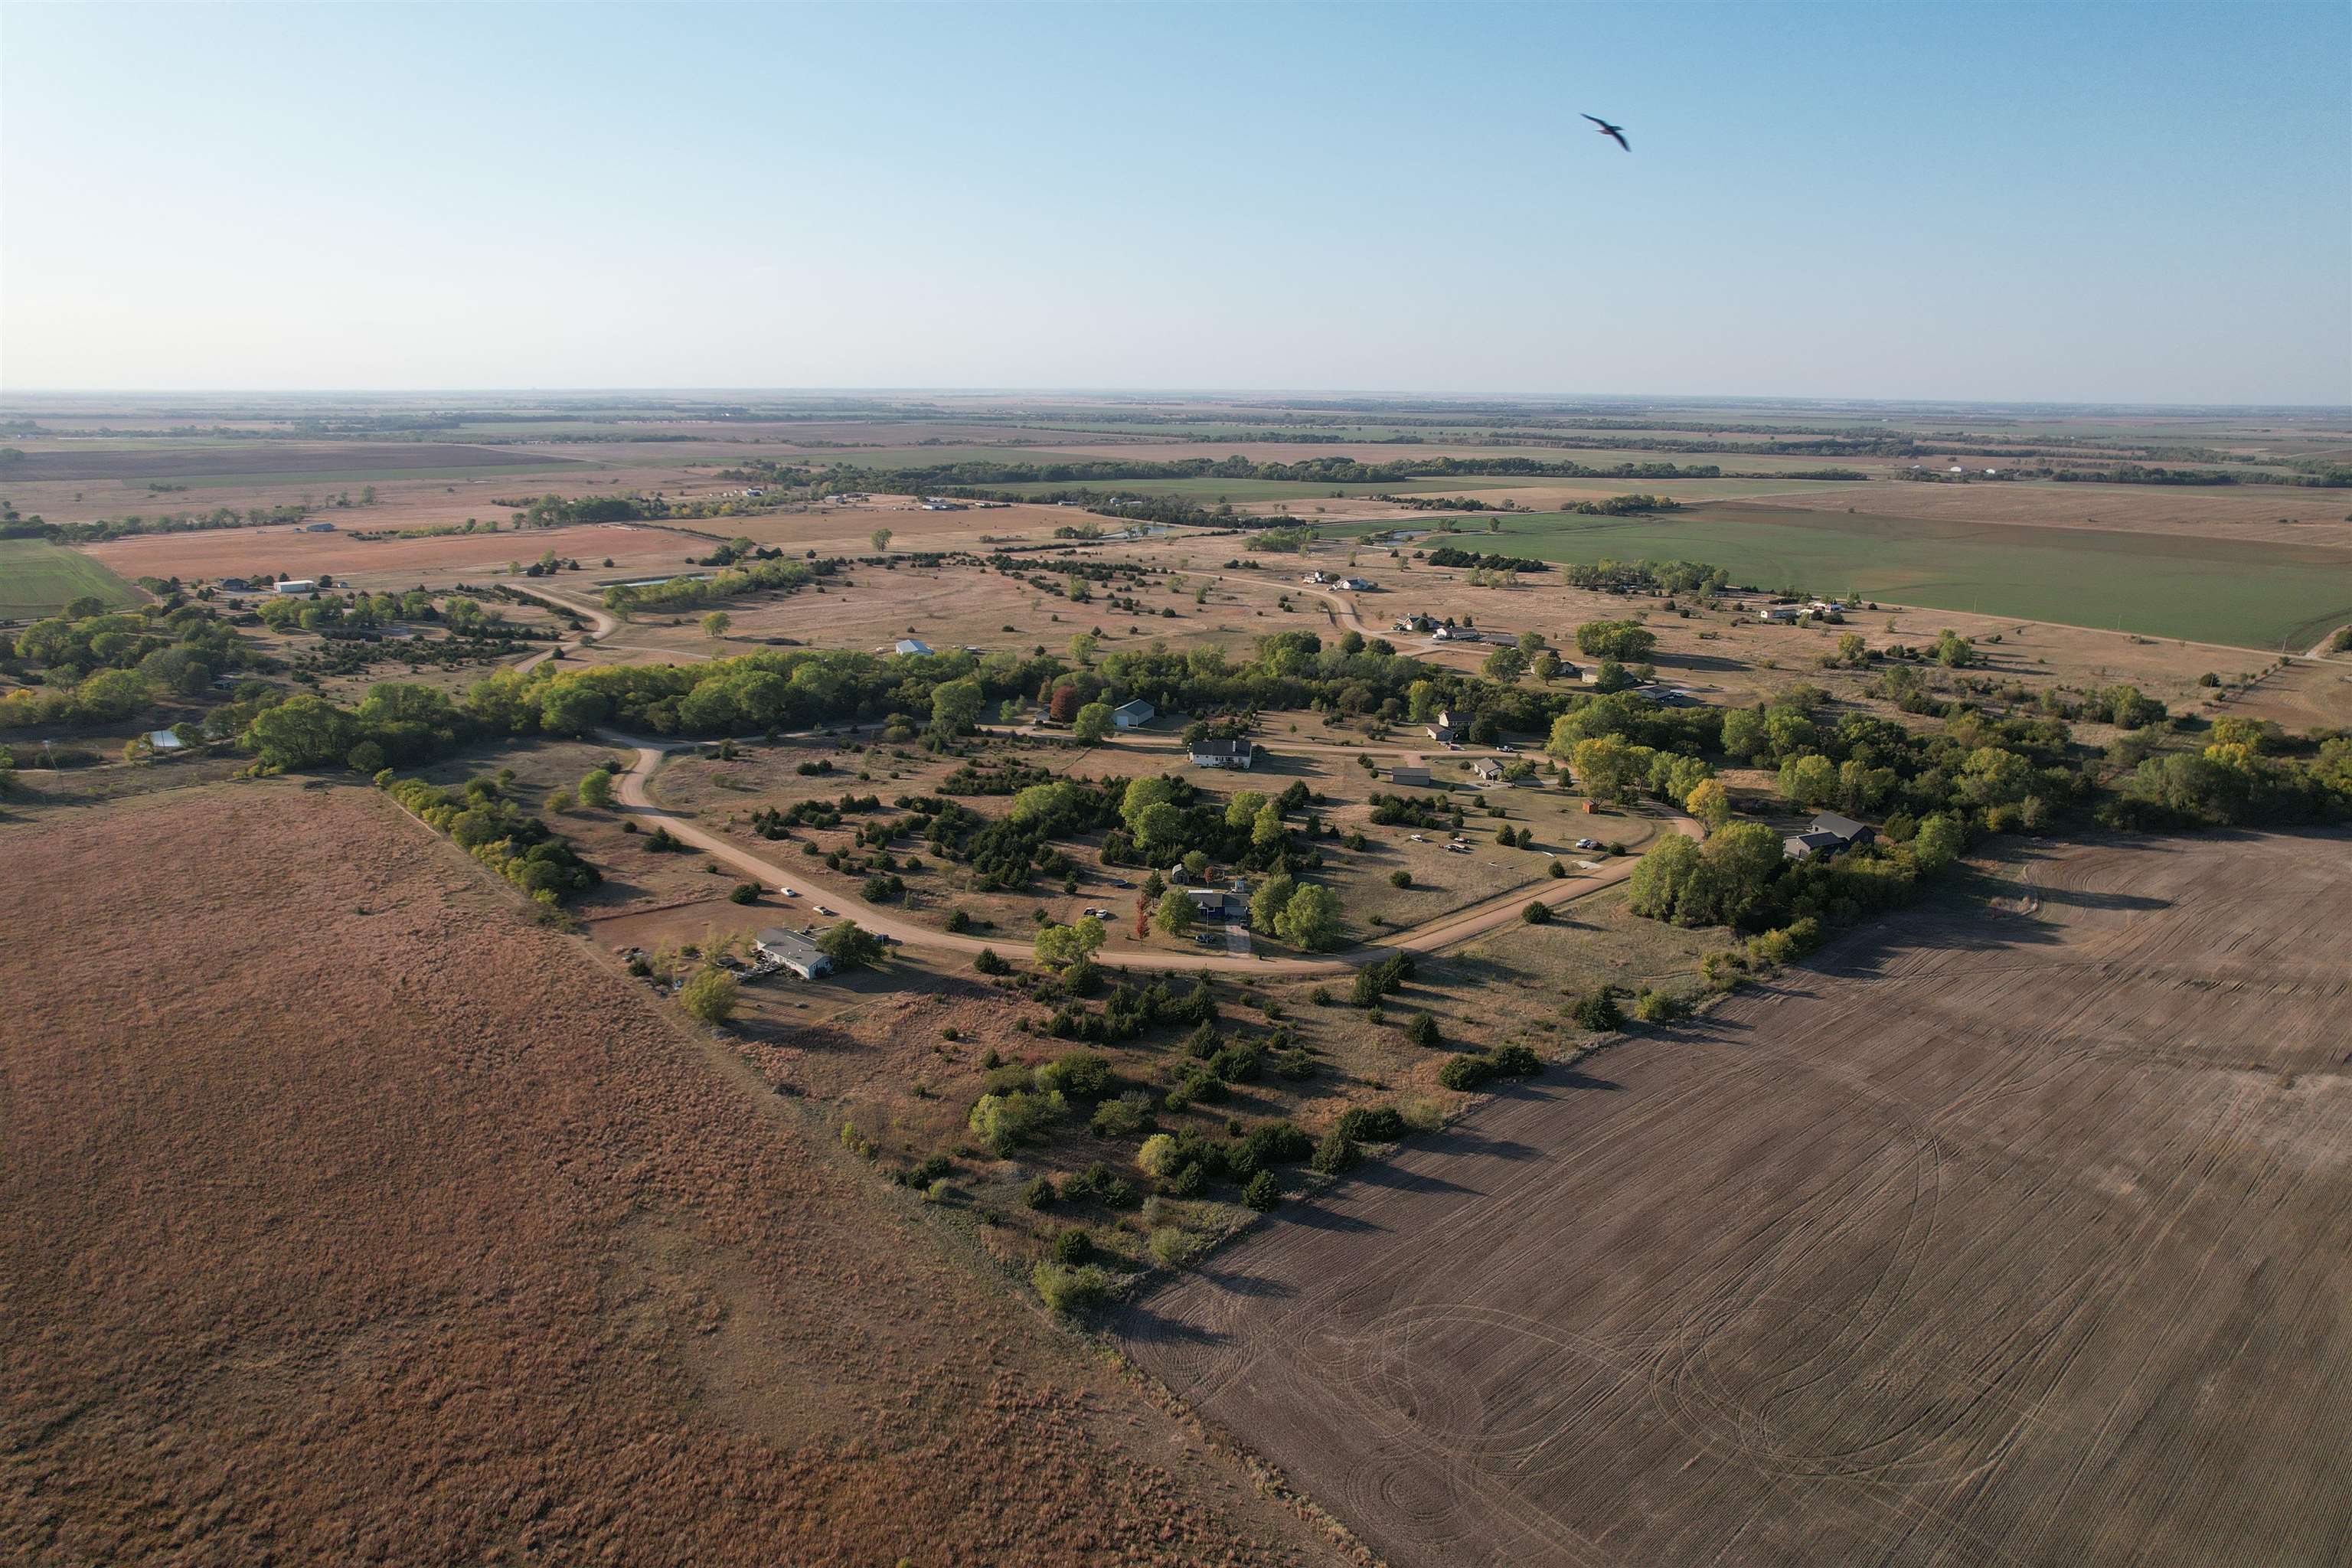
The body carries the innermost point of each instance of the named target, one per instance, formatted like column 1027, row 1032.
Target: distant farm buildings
column 911, row 644
column 1133, row 715
column 299, row 585
column 1416, row 774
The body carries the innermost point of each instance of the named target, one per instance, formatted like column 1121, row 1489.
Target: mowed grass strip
column 2244, row 594
column 37, row 578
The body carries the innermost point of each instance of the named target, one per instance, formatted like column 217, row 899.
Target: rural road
column 636, row 798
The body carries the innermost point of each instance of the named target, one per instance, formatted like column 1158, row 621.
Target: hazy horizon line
column 1191, row 394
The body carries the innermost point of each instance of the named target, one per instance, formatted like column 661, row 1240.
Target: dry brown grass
column 382, row 563
column 353, row 1218
column 2013, row 1235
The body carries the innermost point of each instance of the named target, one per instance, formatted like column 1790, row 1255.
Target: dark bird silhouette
column 1614, row 132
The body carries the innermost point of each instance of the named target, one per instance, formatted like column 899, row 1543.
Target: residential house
column 1224, row 754
column 1488, row 768
column 1780, row 613
column 795, row 952
column 1357, row 585
column 1847, row 830
column 1829, row 834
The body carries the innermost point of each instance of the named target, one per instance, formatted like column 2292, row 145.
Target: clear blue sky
column 2067, row 202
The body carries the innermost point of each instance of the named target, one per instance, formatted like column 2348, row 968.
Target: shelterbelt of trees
column 1992, row 773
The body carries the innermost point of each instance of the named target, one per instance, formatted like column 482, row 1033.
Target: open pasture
column 353, row 1218
column 2245, row 594
column 37, row 578
column 2017, row 1233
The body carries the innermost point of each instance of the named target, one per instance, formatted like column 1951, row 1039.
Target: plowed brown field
column 350, row 1218
column 2021, row 1236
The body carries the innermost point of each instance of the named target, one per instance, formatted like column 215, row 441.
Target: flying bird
column 1614, row 132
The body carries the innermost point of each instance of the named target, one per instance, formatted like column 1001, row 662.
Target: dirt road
column 604, row 625
column 636, row 798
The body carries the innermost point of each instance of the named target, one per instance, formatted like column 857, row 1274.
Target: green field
column 37, row 578
column 2202, row 590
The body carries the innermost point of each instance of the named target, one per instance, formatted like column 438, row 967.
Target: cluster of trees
column 1655, row 576
column 693, row 592
column 1628, row 642
column 2245, row 776
column 1448, row 555
column 553, row 510
column 480, row 820
column 1281, row 539
column 103, row 529
column 1629, row 506
column 94, row 667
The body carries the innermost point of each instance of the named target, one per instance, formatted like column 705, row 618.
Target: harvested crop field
column 353, row 1218
column 2022, row 1234
column 256, row 459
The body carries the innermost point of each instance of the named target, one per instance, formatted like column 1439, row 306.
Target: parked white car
column 1588, row 843
column 786, row 892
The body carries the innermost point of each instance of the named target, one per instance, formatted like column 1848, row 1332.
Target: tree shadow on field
column 1386, row 1173
column 1667, row 659
column 1142, row 1325
column 2081, row 898
column 1317, row 1217
column 1258, row 1287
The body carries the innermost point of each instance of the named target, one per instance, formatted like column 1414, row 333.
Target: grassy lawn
column 2244, row 594
column 37, row 578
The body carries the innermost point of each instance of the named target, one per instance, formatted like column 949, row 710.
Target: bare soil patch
column 354, row 1219
column 2016, row 1234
